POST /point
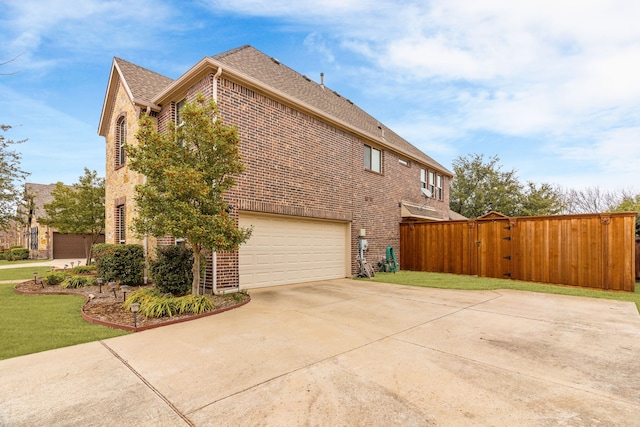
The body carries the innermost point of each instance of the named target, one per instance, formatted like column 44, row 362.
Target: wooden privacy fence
column 594, row 250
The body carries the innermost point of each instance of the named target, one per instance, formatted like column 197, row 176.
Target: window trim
column 369, row 152
column 120, row 158
column 432, row 181
column 120, row 224
column 179, row 106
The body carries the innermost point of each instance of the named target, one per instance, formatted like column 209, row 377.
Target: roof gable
column 144, row 84
column 140, row 84
column 251, row 66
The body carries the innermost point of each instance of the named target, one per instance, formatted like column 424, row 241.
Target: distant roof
column 41, row 194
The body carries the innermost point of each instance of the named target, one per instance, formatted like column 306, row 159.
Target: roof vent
column 275, row 60
column 322, row 79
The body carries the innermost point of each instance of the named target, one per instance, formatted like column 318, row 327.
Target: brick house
column 45, row 242
column 319, row 170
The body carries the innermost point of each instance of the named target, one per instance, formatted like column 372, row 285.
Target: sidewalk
column 60, row 263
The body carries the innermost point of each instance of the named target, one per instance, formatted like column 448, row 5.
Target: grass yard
column 33, row 323
column 24, row 261
column 456, row 281
column 22, row 273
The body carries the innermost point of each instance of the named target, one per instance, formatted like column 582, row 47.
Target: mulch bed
column 104, row 309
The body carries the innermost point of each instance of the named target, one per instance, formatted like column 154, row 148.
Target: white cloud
column 78, row 27
column 57, row 147
column 556, row 74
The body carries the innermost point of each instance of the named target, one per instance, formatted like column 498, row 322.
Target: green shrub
column 123, row 263
column 54, row 278
column 75, row 282
column 239, row 296
column 171, row 272
column 84, row 269
column 17, row 254
column 195, row 304
column 155, row 304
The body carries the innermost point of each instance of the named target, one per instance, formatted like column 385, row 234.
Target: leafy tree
column 480, row 187
column 630, row 204
column 188, row 170
column 78, row 209
column 10, row 177
column 541, row 200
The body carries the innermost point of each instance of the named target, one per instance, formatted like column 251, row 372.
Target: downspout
column 214, row 254
column 214, row 85
column 145, row 239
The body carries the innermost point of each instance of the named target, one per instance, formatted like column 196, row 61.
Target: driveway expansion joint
column 149, row 385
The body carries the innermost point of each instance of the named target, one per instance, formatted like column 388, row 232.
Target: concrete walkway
column 60, row 263
column 349, row 353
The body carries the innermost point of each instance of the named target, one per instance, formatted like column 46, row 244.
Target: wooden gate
column 493, row 241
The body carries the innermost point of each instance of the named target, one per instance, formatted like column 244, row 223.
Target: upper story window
column 433, row 183
column 439, row 181
column 121, row 140
column 179, row 107
column 372, row 159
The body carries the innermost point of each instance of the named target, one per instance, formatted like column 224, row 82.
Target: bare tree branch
column 8, row 62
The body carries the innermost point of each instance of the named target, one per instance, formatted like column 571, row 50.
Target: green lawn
column 22, row 273
column 24, row 261
column 33, row 323
column 455, row 281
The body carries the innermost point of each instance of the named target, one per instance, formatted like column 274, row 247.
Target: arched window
column 121, row 140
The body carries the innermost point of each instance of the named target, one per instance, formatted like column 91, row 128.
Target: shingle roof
column 144, row 84
column 270, row 71
column 41, row 194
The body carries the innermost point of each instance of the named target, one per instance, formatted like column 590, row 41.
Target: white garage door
column 285, row 250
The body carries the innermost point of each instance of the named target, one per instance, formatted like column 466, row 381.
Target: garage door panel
column 289, row 250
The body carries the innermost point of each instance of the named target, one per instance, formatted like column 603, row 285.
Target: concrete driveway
column 349, row 353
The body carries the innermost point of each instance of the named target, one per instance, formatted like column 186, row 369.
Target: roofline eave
column 184, row 82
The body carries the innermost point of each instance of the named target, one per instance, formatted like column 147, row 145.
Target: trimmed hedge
column 120, row 263
column 15, row 254
column 172, row 270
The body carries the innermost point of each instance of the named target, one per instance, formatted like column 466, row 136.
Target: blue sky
column 551, row 87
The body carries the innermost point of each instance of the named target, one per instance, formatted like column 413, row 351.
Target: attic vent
column 307, row 78
column 337, row 94
column 275, row 60
column 349, row 101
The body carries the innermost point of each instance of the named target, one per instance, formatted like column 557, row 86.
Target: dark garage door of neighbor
column 70, row 245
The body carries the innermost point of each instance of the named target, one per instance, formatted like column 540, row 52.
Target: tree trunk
column 195, row 285
column 88, row 246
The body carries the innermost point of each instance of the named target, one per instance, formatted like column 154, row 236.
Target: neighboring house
column 10, row 237
column 43, row 241
column 320, row 172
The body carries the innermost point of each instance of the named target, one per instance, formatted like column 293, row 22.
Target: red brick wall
column 299, row 165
